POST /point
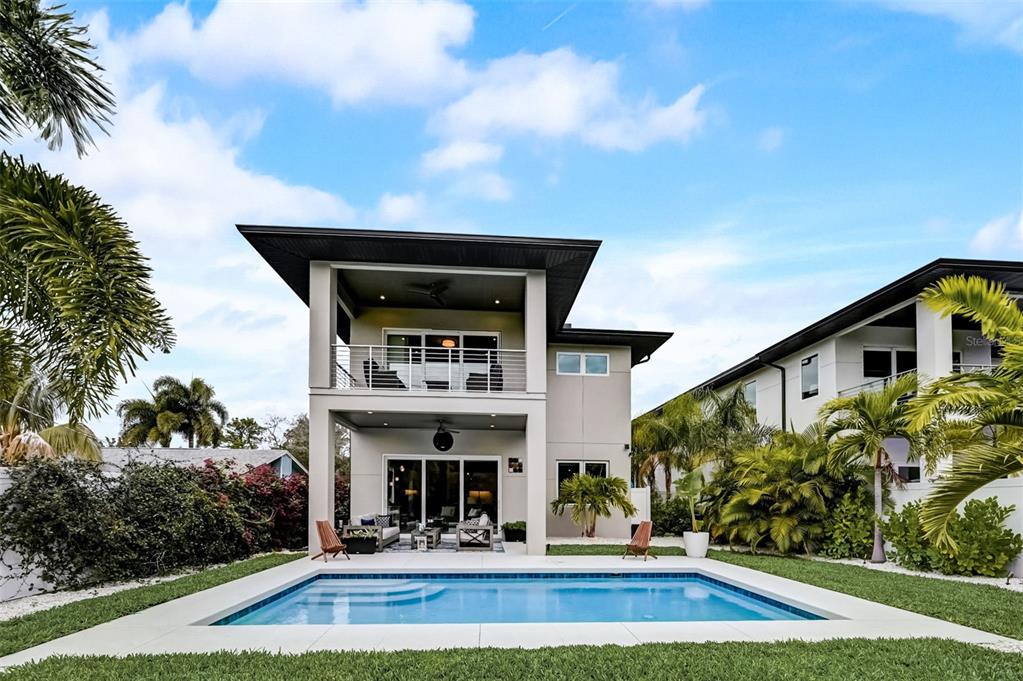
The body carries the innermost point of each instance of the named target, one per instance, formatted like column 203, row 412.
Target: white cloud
column 1000, row 236
column 400, row 208
column 459, row 155
column 771, row 139
column 386, row 51
column 559, row 94
column 484, row 185
column 999, row 22
column 180, row 184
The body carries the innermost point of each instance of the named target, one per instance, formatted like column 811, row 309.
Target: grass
column 39, row 627
column 980, row 606
column 845, row 660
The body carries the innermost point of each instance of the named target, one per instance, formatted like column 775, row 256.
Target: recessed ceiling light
column 383, row 297
column 386, row 423
column 493, row 415
column 369, row 412
column 497, row 302
column 491, row 425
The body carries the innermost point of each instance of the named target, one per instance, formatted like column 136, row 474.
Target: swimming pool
column 427, row 598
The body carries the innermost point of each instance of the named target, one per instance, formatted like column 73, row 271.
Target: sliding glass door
column 441, row 492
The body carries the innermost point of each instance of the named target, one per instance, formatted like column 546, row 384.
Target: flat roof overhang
column 1007, row 272
column 289, row 250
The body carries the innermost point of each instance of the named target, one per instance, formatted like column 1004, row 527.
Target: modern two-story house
column 863, row 346
column 449, row 359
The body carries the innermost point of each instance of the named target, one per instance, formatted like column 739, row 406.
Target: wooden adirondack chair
column 329, row 542
column 640, row 544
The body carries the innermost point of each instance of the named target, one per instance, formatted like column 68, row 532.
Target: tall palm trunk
column 878, row 556
column 667, row 482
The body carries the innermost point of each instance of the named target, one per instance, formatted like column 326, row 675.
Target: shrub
column 909, row 546
column 983, row 545
column 849, row 529
column 670, row 517
column 79, row 526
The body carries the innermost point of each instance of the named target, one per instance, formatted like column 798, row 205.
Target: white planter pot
column 696, row 543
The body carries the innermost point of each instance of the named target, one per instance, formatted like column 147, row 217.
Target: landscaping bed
column 846, row 660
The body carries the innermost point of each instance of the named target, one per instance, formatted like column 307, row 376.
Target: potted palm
column 588, row 497
column 689, row 488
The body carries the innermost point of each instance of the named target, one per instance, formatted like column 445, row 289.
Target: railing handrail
column 880, row 382
column 424, row 347
column 421, row 368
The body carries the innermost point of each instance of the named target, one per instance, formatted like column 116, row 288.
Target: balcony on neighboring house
column 974, row 368
column 428, row 369
column 875, row 385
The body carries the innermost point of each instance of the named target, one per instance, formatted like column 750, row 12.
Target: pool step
column 369, row 586
column 421, row 592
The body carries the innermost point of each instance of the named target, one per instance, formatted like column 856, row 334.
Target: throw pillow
column 484, row 519
column 383, row 521
column 368, row 521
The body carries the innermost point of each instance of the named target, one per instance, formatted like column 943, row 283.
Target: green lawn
column 39, row 627
column 848, row 660
column 974, row 605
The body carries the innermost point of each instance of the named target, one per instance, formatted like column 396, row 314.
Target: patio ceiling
column 429, row 421
column 462, row 291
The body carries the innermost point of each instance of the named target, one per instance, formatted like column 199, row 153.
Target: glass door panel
column 442, row 493
column 405, row 491
column 480, row 489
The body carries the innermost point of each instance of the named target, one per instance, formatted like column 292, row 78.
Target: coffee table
column 432, row 535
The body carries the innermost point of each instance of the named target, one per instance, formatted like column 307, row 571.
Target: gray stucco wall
column 588, row 419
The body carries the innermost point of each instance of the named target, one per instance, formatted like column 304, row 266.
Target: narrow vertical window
column 809, row 373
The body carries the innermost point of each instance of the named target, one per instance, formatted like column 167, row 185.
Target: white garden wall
column 11, row 589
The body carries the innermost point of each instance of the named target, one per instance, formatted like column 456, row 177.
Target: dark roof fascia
column 289, row 249
column 884, row 298
column 642, row 343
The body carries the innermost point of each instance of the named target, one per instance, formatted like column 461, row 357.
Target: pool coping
column 180, row 626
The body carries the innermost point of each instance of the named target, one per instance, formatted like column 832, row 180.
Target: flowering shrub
column 80, row 526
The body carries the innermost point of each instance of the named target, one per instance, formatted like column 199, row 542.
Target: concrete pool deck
column 179, row 626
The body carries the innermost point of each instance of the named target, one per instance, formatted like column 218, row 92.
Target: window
column 583, row 363
column 749, row 392
column 909, row 473
column 596, row 365
column 885, row 362
column 569, row 363
column 877, row 363
column 809, row 373
column 570, row 469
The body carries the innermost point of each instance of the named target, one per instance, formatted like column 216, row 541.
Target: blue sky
column 750, row 166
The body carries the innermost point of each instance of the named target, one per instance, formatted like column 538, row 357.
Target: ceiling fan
column 434, row 290
column 442, row 439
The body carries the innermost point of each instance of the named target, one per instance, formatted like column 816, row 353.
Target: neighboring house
column 862, row 346
column 241, row 459
column 418, row 337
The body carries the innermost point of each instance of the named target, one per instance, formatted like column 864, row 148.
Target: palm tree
column 188, row 410
column 985, row 409
column 47, row 80
column 857, row 428
column 28, row 427
column 74, row 289
column 781, row 492
column 589, row 497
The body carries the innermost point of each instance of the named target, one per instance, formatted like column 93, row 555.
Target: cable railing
column 973, row 368
column 428, row 369
column 875, row 385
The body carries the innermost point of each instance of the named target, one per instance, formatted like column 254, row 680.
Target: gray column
column 536, row 480
column 322, row 323
column 536, row 332
column 322, row 450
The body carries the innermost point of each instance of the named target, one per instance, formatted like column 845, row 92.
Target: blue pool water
column 539, row 597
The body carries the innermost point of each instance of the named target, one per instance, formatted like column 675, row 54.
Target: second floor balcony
column 423, row 369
